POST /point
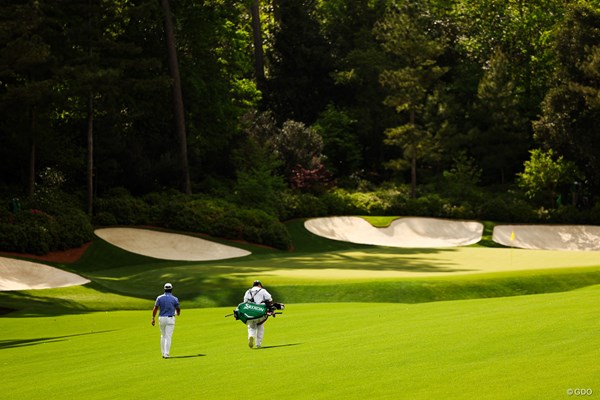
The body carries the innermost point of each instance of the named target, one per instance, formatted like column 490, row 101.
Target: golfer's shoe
column 251, row 341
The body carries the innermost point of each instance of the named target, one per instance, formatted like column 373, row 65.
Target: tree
column 341, row 145
column 408, row 32
column 521, row 30
column 297, row 145
column 292, row 145
column 299, row 83
column 499, row 122
column 257, row 36
column 105, row 80
column 542, row 175
column 570, row 119
column 218, row 80
column 27, row 84
column 258, row 183
column 462, row 178
column 178, row 108
column 358, row 61
column 84, row 73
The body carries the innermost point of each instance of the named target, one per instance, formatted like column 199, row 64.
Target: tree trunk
column 177, row 97
column 413, row 162
column 90, row 153
column 32, row 150
column 413, row 171
column 31, row 184
column 90, row 123
column 259, row 59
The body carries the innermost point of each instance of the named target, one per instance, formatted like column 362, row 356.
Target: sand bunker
column 168, row 246
column 25, row 275
column 549, row 237
column 403, row 232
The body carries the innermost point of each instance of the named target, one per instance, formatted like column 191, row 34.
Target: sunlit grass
column 379, row 325
column 520, row 347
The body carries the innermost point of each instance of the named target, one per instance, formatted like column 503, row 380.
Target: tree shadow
column 7, row 344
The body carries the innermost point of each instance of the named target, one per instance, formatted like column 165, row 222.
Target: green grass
column 317, row 270
column 349, row 330
column 525, row 347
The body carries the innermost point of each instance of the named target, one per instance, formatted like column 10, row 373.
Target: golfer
column 256, row 329
column 169, row 307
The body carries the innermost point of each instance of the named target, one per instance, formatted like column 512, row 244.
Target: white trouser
column 257, row 331
column 167, row 325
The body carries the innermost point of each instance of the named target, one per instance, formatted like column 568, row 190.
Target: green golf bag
column 249, row 311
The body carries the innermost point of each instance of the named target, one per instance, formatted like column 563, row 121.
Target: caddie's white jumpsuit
column 256, row 328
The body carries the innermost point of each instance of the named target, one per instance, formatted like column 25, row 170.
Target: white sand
column 403, row 232
column 168, row 246
column 25, row 275
column 549, row 237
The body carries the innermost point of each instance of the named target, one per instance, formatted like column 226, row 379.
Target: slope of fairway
column 529, row 347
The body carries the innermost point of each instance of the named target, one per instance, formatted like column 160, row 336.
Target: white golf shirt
column 260, row 295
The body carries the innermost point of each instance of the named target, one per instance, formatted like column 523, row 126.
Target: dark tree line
column 208, row 96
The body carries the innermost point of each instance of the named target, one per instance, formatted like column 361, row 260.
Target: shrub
column 301, row 205
column 506, row 209
column 570, row 214
column 259, row 227
column 126, row 209
column 104, row 219
column 431, row 205
column 338, row 203
column 25, row 238
column 72, row 230
column 462, row 211
column 221, row 218
column 35, row 232
column 277, row 235
column 368, row 203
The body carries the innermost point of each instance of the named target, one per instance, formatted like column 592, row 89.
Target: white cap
column 168, row 286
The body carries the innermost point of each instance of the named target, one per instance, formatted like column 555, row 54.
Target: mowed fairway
column 477, row 322
column 522, row 347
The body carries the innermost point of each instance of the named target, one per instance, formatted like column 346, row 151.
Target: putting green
column 374, row 265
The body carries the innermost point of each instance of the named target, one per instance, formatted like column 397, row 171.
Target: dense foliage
column 301, row 108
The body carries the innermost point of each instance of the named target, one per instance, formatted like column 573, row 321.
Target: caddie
column 256, row 328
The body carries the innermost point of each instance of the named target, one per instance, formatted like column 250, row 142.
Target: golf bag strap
column 255, row 293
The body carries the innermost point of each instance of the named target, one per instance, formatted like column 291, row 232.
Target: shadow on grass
column 37, row 304
column 280, row 345
column 122, row 280
column 7, row 344
column 190, row 356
